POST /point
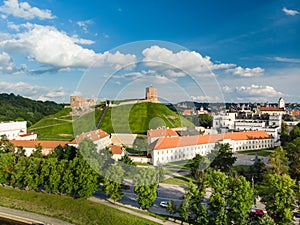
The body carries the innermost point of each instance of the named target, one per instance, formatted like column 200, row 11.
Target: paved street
column 247, row 160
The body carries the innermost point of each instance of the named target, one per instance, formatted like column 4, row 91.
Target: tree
column 218, row 181
column 205, row 120
column 258, row 170
column 266, row 220
column 193, row 205
column 86, row 180
column 284, row 137
column 198, row 164
column 293, row 154
column 37, row 152
column 224, row 159
column 278, row 196
column 295, row 132
column 171, row 207
column 145, row 187
column 7, row 162
column 127, row 164
column 32, row 179
column 5, row 145
column 239, row 200
column 113, row 181
column 279, row 161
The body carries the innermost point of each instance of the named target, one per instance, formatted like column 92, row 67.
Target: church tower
column 281, row 103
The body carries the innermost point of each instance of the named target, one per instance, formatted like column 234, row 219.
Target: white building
column 224, row 121
column 13, row 130
column 170, row 149
column 30, row 145
column 99, row 137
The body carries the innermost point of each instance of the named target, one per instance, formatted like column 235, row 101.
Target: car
column 163, row 204
column 296, row 215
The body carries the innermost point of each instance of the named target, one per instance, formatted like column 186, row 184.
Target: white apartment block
column 225, row 120
column 13, row 130
column 171, row 149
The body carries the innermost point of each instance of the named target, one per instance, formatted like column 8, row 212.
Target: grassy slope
column 77, row 211
column 140, row 117
column 61, row 127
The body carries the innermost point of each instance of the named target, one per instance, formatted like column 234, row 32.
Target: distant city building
column 188, row 112
column 80, row 102
column 151, row 94
column 281, row 103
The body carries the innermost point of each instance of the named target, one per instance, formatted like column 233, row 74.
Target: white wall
column 13, row 129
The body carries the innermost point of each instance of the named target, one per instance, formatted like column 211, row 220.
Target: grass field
column 261, row 152
column 76, row 211
column 138, row 118
column 182, row 180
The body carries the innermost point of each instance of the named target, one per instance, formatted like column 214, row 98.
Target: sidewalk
column 29, row 218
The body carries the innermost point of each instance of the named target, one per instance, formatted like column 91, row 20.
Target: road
column 165, row 192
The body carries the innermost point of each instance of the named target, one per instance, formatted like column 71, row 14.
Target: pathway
column 29, row 218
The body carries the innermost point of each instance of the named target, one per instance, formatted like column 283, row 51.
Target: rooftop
column 173, row 142
column 162, row 133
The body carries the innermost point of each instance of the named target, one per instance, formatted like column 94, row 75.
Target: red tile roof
column 34, row 143
column 188, row 112
column 94, row 135
column 268, row 109
column 162, row 133
column 164, row 143
column 26, row 135
column 115, row 149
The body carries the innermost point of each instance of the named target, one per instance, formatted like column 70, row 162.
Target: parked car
column 163, row 204
column 296, row 215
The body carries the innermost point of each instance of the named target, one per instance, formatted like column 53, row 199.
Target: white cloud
column 258, row 91
column 288, row 60
column 227, row 89
column 82, row 41
column 47, row 45
column 246, row 72
column 7, row 65
column 290, row 12
column 84, row 24
column 206, row 98
column 190, row 62
column 34, row 91
column 13, row 26
column 25, row 10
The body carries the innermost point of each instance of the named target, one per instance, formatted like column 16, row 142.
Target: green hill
column 15, row 107
column 138, row 118
column 61, row 126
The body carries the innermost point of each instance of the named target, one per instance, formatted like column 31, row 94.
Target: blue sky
column 207, row 51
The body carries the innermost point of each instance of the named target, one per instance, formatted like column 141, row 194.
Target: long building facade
column 170, row 149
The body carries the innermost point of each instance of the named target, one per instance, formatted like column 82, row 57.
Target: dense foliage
column 15, row 107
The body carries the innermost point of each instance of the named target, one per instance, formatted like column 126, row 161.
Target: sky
column 195, row 50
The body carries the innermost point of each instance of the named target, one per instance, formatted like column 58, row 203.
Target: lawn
column 182, row 180
column 260, row 152
column 76, row 211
